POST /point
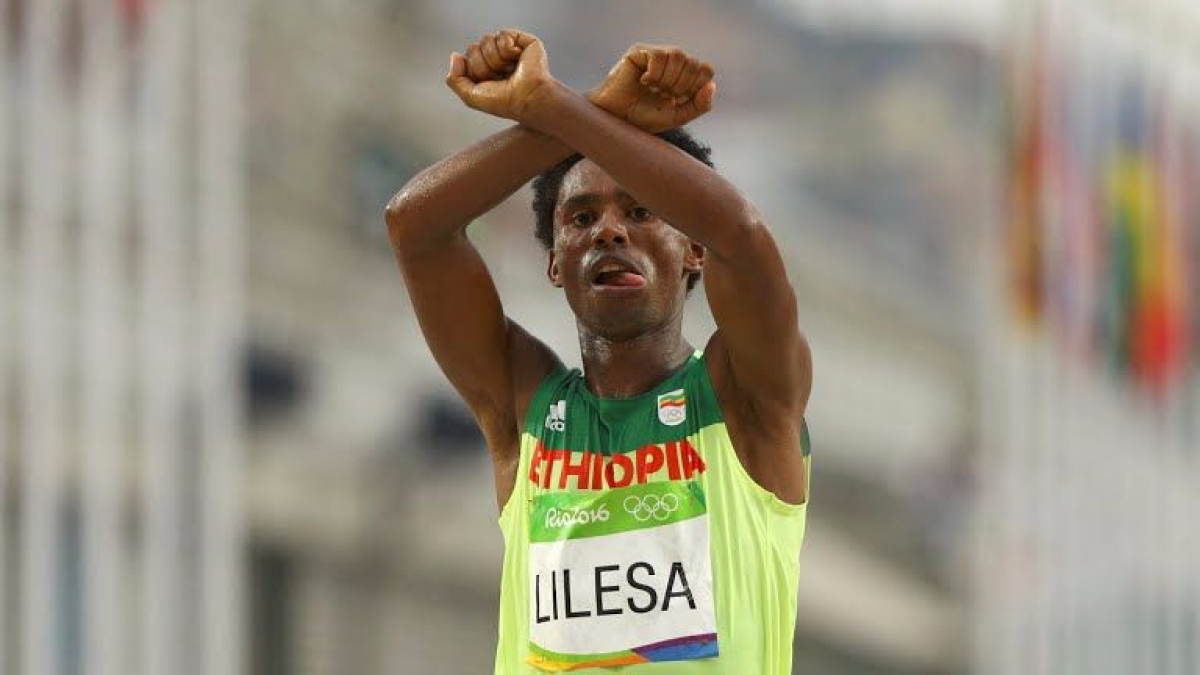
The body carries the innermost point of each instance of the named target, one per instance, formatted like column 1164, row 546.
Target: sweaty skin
column 634, row 219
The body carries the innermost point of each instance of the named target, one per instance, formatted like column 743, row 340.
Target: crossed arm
column 758, row 355
column 759, row 360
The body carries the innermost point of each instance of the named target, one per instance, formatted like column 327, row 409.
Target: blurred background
column 224, row 447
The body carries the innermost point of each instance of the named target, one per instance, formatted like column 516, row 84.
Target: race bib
column 620, row 577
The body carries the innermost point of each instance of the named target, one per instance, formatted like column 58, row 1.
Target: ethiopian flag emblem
column 672, row 408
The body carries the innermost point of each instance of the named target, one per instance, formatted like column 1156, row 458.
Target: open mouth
column 619, row 279
column 617, row 275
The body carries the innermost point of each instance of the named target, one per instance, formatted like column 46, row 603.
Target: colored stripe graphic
column 678, row 649
column 681, row 649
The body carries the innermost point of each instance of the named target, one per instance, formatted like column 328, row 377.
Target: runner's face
column 623, row 269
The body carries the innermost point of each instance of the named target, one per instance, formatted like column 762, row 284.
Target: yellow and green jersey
column 635, row 541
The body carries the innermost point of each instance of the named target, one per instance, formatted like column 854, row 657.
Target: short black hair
column 546, row 186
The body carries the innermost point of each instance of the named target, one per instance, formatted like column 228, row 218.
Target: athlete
column 652, row 503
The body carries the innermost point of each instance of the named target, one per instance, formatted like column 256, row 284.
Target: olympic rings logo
column 651, row 506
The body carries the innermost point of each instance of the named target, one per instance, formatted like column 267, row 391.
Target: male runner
column 653, row 504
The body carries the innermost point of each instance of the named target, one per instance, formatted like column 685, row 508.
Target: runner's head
column 623, row 269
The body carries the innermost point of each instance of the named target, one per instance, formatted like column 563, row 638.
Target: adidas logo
column 556, row 419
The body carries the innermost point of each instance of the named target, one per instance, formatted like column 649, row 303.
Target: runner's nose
column 609, row 230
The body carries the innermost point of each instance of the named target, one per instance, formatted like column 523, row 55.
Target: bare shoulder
column 530, row 362
column 766, row 434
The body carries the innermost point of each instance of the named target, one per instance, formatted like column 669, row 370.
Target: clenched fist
column 501, row 74
column 656, row 88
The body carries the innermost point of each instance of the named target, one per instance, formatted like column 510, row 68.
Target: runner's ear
column 694, row 262
column 552, row 271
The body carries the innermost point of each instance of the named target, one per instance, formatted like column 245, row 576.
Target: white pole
column 1173, row 589
column 103, row 119
column 160, row 219
column 1013, row 566
column 993, row 337
column 1045, row 456
column 42, row 277
column 1187, row 503
column 7, row 324
column 1078, row 449
column 1119, row 642
column 219, row 213
column 1147, row 417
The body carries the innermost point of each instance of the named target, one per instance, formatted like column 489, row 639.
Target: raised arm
column 492, row 362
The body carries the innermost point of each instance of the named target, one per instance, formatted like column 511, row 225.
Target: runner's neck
column 628, row 368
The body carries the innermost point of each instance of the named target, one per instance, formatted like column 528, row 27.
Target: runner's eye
column 583, row 218
column 640, row 214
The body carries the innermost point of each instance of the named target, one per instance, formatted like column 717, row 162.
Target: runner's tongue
column 617, row 278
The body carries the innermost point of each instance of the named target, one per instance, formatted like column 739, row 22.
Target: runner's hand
column 502, row 73
column 656, row 87
column 493, row 57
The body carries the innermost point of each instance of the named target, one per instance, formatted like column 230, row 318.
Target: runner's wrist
column 544, row 112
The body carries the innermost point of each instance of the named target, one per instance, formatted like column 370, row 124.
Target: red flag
column 1024, row 236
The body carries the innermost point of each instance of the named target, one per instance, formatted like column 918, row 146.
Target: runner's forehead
column 587, row 183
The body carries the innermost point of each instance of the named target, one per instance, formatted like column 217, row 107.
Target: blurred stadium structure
column 224, row 447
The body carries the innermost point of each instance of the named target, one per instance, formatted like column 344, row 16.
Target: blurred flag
column 133, row 11
column 1164, row 331
column 1050, row 210
column 1144, row 317
column 1081, row 212
column 1024, row 232
column 1190, row 215
column 1119, row 182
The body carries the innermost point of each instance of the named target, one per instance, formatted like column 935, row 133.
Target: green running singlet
column 635, row 541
